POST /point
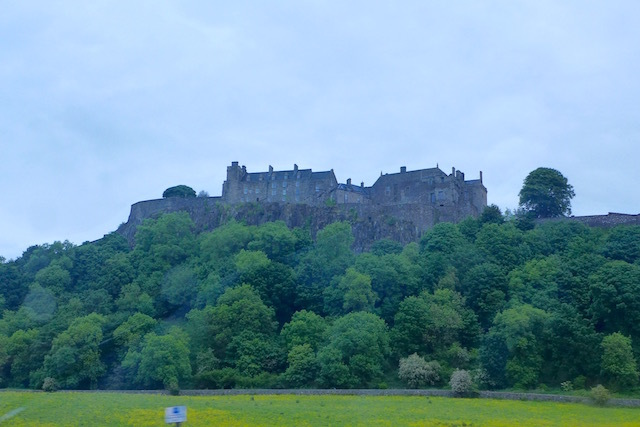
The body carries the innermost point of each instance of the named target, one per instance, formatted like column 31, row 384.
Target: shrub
column 461, row 383
column 179, row 191
column 566, row 386
column 417, row 372
column 600, row 395
column 49, row 385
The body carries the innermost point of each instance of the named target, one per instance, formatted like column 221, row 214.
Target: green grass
column 112, row 409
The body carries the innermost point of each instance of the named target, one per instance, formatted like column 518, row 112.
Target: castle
column 451, row 197
column 399, row 206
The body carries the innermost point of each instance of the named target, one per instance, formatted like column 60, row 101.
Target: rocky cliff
column 403, row 223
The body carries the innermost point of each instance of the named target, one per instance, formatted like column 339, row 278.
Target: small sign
column 175, row 414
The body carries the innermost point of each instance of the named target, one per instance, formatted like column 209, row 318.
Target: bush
column 179, row 191
column 461, row 383
column 566, row 386
column 600, row 395
column 49, row 385
column 417, row 372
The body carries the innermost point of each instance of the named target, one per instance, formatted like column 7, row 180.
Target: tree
column 356, row 352
column 618, row 363
column 546, row 193
column 303, row 366
column 74, row 359
column 305, row 327
column 163, row 359
column 183, row 191
column 417, row 372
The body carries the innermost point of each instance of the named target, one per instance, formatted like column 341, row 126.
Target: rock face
column 402, row 223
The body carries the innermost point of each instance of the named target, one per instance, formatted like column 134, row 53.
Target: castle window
column 284, row 192
column 346, row 197
column 284, row 184
column 286, row 176
column 317, row 188
column 248, row 177
column 260, row 177
column 273, row 176
column 273, row 185
column 433, row 197
column 387, row 191
column 297, row 183
column 257, row 191
column 442, row 179
column 298, row 175
column 440, row 195
column 273, row 192
column 245, row 190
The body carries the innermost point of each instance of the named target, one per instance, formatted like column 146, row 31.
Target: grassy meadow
column 140, row 410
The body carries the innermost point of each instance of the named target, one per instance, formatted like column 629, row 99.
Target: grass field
column 112, row 409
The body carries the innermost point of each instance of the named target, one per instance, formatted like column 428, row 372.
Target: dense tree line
column 244, row 306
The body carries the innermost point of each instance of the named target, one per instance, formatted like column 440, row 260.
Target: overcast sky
column 107, row 103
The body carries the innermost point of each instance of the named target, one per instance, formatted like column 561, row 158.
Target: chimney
column 480, row 177
column 234, row 163
column 348, row 181
column 295, row 167
column 244, row 169
column 403, row 169
column 362, row 184
column 270, row 169
column 453, row 171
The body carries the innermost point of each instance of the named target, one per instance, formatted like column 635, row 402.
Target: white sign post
column 175, row 414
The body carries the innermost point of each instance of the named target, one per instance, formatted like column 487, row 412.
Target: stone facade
column 292, row 186
column 449, row 196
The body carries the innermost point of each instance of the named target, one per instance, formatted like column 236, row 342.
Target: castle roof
column 353, row 189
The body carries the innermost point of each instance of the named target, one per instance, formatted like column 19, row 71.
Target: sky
column 107, row 103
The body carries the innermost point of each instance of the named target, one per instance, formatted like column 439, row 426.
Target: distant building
column 449, row 195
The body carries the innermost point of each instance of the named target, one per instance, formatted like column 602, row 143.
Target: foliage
column 461, row 383
column 267, row 306
column 49, row 385
column 546, row 193
column 161, row 360
column 417, row 372
column 619, row 366
column 179, row 191
column 599, row 395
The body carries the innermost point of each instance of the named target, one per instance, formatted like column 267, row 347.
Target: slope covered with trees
column 244, row 306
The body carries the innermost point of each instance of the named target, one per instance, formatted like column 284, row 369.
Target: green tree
column 74, row 359
column 179, row 191
column 431, row 323
column 546, row 193
column 521, row 330
column 615, row 298
column 330, row 257
column 623, row 243
column 303, row 366
column 238, row 310
column 305, row 327
column 352, row 292
column 618, row 364
column 355, row 355
column 162, row 360
column 485, row 288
